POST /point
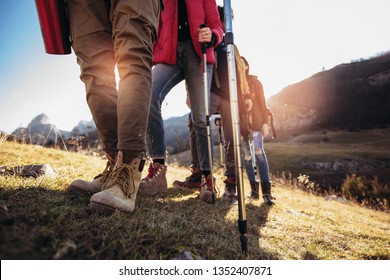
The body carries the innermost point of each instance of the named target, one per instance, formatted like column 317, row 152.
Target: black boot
column 254, row 190
column 266, row 190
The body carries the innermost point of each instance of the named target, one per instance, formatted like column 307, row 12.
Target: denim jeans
column 188, row 67
column 260, row 156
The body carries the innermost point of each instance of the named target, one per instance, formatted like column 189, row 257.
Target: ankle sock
column 159, row 160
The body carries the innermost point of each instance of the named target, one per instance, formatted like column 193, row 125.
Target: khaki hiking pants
column 105, row 34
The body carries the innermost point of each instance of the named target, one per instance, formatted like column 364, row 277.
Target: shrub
column 367, row 192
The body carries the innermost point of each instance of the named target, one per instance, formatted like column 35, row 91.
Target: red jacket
column 198, row 12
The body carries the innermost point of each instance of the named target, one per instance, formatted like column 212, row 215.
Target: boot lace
column 208, row 185
column 123, row 175
column 107, row 170
column 151, row 172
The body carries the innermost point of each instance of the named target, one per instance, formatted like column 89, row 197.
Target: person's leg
column 226, row 117
column 223, row 90
column 230, row 173
column 93, row 46
column 249, row 168
column 261, row 158
column 165, row 77
column 194, row 78
column 262, row 166
column 134, row 28
column 193, row 148
column 194, row 180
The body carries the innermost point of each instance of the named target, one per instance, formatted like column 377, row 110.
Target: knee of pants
column 247, row 158
column 259, row 151
column 199, row 120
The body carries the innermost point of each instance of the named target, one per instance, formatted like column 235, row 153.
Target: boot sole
column 74, row 189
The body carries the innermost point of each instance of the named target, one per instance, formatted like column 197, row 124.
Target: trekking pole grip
column 204, row 45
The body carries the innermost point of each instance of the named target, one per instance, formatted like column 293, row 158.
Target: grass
column 40, row 219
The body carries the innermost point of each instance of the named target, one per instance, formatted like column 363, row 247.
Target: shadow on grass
column 38, row 223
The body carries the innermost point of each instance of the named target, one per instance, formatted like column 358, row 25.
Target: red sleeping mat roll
column 54, row 26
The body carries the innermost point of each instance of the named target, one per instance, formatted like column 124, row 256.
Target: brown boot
column 120, row 190
column 206, row 191
column 97, row 183
column 266, row 190
column 156, row 181
column 192, row 182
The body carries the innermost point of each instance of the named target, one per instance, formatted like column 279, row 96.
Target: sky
column 284, row 41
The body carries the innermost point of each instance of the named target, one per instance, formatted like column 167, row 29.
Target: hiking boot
column 156, row 181
column 230, row 187
column 121, row 187
column 266, row 190
column 206, row 190
column 192, row 182
column 254, row 189
column 96, row 184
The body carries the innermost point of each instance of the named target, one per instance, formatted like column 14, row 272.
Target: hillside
column 39, row 219
column 327, row 157
column 351, row 96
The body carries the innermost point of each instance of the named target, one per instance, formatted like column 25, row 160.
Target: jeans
column 188, row 67
column 260, row 157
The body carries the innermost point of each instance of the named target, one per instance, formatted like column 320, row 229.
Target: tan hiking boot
column 192, row 182
column 120, row 190
column 206, row 191
column 156, row 181
column 96, row 184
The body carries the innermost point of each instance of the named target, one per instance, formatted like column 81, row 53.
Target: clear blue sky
column 285, row 42
column 18, row 28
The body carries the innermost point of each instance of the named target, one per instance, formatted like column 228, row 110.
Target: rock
column 31, row 170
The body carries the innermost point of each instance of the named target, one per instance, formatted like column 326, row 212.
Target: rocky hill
column 40, row 132
column 350, row 96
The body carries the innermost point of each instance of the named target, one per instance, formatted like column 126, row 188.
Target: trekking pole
column 242, row 223
column 207, row 110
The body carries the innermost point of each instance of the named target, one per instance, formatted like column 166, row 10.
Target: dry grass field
column 40, row 219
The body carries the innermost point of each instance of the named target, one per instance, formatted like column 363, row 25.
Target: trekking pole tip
column 244, row 244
